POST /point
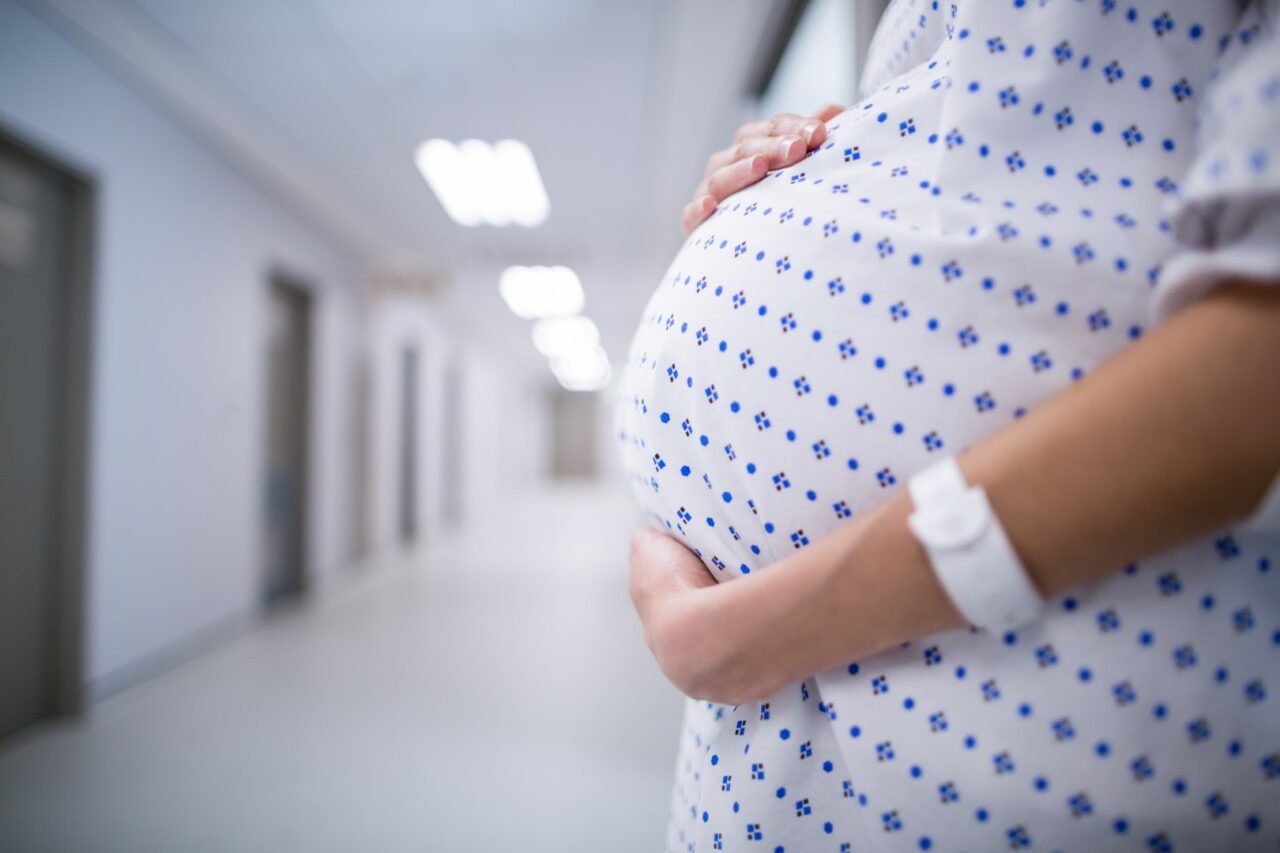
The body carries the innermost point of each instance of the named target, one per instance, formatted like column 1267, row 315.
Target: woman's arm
column 1175, row 437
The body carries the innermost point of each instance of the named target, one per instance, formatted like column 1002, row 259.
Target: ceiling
column 620, row 101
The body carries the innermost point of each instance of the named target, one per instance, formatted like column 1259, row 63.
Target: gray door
column 452, row 443
column 35, row 206
column 288, row 357
column 358, row 497
column 574, row 424
column 409, row 445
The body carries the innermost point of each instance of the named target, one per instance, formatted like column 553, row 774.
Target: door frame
column 65, row 678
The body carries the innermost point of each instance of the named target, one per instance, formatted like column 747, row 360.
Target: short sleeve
column 909, row 33
column 1227, row 218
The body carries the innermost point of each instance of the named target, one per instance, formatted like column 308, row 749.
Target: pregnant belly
column 761, row 409
column 805, row 355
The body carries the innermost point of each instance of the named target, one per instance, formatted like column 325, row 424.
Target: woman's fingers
column 661, row 566
column 827, row 112
column 721, row 184
column 784, row 139
column 773, row 143
column 695, row 212
column 781, row 150
column 783, row 124
column 727, row 180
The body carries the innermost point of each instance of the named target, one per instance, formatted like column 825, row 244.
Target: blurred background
column 311, row 535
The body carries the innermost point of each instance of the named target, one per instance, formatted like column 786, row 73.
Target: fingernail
column 788, row 147
column 809, row 130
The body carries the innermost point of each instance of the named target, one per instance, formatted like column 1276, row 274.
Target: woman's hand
column 757, row 147
column 738, row 641
column 666, row 578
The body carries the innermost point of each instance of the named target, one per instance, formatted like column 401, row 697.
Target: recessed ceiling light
column 587, row 370
column 559, row 337
column 532, row 292
column 478, row 183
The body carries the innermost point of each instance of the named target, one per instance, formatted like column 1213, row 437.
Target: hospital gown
column 1024, row 190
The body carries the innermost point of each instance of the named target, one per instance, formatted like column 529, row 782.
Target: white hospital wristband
column 970, row 553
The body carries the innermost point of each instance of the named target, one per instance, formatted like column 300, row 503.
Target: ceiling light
column 532, row 292
column 559, row 337
column 478, row 183
column 520, row 184
column 586, row 370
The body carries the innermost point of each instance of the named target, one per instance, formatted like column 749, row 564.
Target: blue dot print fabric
column 1025, row 188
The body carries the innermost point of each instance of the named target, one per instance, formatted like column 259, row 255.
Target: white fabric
column 982, row 230
column 1228, row 215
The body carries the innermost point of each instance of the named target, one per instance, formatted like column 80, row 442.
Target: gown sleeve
column 909, row 33
column 1227, row 217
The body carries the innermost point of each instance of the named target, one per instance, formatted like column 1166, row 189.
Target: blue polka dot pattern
column 989, row 224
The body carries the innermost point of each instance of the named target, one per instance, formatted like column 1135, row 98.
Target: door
column 358, row 497
column 452, row 448
column 288, row 360
column 409, row 368
column 38, row 234
column 574, row 427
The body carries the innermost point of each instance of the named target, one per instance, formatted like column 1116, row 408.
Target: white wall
column 820, row 64
column 185, row 243
column 503, row 450
column 184, row 246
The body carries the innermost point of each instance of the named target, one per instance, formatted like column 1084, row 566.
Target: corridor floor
column 493, row 694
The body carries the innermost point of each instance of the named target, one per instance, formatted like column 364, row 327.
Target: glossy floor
column 494, row 694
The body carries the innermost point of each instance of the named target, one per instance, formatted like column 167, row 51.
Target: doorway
column 409, row 419
column 358, row 497
column 45, row 243
column 573, row 438
column 453, row 447
column 288, row 416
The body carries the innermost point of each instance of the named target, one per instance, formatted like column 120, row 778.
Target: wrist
column 864, row 588
column 749, row 638
column 702, row 647
column 968, row 550
column 884, row 586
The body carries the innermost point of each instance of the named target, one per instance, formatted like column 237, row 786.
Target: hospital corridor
column 639, row 426
column 313, row 529
column 481, row 696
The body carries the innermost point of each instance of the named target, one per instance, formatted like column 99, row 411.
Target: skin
column 1171, row 439
column 773, row 143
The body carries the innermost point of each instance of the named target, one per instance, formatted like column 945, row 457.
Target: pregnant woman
column 977, row 405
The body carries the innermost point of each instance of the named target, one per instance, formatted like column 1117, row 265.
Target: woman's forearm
column 1173, row 438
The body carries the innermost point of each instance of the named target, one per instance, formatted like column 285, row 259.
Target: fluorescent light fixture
column 560, row 337
column 585, row 370
column 533, row 292
column 478, row 183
